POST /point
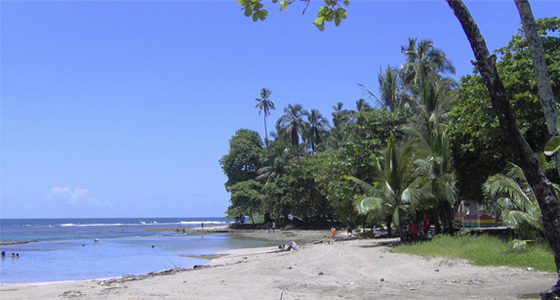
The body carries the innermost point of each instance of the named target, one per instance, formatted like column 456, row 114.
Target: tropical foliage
column 420, row 145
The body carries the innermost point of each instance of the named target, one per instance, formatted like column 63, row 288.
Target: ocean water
column 65, row 248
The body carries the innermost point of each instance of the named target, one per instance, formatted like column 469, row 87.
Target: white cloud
column 78, row 196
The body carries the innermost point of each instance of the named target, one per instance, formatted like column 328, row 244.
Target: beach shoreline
column 326, row 269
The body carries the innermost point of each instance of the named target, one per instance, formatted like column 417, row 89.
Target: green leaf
column 346, row 2
column 262, row 14
column 255, row 17
column 552, row 146
column 274, row 1
column 283, row 4
column 337, row 20
column 248, row 10
column 558, row 125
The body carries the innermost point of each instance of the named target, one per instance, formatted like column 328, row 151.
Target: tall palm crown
column 437, row 98
column 317, row 125
column 391, row 88
column 423, row 61
column 421, row 74
column 341, row 117
column 265, row 105
column 293, row 124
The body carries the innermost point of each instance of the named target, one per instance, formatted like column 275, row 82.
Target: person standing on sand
column 425, row 225
column 202, row 225
column 333, row 232
column 273, row 226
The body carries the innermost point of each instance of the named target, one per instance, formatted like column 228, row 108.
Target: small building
column 470, row 214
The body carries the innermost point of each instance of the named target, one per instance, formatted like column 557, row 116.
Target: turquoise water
column 66, row 249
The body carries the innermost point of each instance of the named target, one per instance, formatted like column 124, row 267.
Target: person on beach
column 202, row 225
column 333, row 232
column 273, row 226
column 413, row 231
column 425, row 225
column 3, row 254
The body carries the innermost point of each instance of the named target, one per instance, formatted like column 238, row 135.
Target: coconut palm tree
column 392, row 91
column 317, row 125
column 362, row 106
column 435, row 99
column 293, row 124
column 514, row 199
column 397, row 185
column 423, row 60
column 435, row 167
column 276, row 164
column 340, row 118
column 265, row 105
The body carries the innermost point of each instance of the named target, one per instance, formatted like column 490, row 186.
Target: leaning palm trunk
column 546, row 94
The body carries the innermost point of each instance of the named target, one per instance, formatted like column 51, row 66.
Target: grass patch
column 485, row 250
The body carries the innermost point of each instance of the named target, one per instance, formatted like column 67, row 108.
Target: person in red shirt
column 414, row 230
column 425, row 225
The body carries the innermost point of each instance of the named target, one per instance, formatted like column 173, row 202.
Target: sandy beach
column 343, row 269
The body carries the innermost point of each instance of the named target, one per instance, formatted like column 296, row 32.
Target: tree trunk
column 400, row 228
column 388, row 224
column 546, row 93
column 389, row 229
column 450, row 219
column 436, row 223
column 267, row 218
column 265, row 133
column 443, row 218
column 525, row 156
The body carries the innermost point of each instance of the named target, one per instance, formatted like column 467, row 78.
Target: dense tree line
column 419, row 145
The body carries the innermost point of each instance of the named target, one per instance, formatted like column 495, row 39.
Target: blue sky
column 123, row 108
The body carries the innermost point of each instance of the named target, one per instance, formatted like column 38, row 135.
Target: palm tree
column 423, row 60
column 275, row 164
column 436, row 98
column 340, row 118
column 293, row 125
column 265, row 105
column 392, row 92
column 397, row 185
column 435, row 167
column 362, row 106
column 513, row 197
column 317, row 125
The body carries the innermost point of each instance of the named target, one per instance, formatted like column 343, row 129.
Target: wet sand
column 341, row 269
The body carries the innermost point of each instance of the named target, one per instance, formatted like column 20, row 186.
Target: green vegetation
column 425, row 143
column 484, row 250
